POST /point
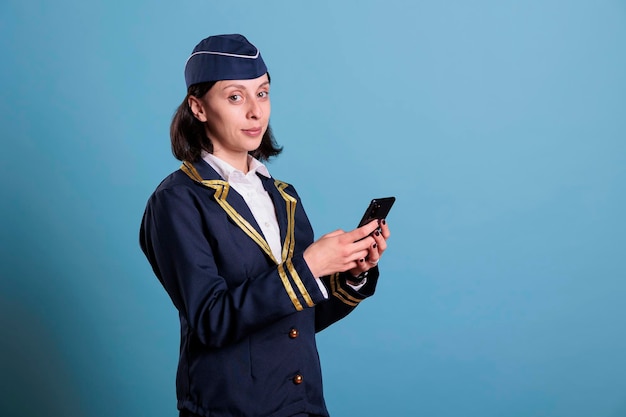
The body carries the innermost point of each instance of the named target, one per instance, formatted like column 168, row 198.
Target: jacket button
column 293, row 333
column 298, row 379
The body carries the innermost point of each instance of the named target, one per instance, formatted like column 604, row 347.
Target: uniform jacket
column 248, row 321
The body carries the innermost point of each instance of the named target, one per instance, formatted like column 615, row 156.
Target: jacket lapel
column 229, row 200
column 233, row 197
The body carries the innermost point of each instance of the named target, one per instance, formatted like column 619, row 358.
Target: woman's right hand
column 339, row 251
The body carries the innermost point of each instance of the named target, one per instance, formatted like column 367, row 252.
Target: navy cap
column 224, row 57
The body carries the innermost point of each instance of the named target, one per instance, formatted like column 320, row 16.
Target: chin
column 254, row 146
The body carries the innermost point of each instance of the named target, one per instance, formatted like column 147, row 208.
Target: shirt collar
column 226, row 170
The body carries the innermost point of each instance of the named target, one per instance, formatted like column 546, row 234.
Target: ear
column 197, row 108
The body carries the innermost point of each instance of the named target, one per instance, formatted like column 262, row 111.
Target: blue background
column 499, row 126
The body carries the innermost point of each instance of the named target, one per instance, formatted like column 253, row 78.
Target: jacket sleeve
column 342, row 298
column 174, row 238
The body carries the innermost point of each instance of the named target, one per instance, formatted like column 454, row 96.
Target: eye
column 235, row 98
column 263, row 94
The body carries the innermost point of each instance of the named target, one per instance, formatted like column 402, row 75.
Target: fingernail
column 362, row 260
column 374, row 246
column 377, row 233
column 383, row 221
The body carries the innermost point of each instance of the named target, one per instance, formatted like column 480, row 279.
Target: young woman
column 234, row 250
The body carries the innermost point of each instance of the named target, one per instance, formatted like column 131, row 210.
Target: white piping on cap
column 223, row 54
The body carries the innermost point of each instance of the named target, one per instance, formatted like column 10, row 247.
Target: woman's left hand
column 375, row 250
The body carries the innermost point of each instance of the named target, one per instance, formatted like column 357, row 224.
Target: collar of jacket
column 236, row 208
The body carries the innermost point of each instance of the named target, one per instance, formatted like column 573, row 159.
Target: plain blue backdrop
column 499, row 126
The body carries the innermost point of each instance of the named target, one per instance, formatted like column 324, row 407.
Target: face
column 236, row 114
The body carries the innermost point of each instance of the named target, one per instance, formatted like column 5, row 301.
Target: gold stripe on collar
column 191, row 171
column 289, row 244
column 221, row 192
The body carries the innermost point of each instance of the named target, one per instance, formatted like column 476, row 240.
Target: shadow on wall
column 34, row 377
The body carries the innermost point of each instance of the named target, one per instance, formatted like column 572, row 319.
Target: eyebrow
column 242, row 87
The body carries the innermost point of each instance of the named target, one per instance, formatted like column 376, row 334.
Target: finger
column 363, row 231
column 363, row 245
column 380, row 241
column 363, row 254
column 356, row 267
column 384, row 229
column 368, row 260
column 374, row 255
column 362, row 265
column 372, row 264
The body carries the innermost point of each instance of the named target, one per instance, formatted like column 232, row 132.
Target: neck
column 238, row 161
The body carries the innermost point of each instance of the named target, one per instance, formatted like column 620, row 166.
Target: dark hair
column 189, row 138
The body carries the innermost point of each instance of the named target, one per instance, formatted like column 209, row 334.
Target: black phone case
column 378, row 209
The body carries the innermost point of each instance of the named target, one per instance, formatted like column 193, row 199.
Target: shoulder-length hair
column 189, row 138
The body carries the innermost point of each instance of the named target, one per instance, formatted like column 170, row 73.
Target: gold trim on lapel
column 290, row 241
column 221, row 188
column 289, row 287
column 221, row 192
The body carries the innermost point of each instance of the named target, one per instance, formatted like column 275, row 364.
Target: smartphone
column 378, row 209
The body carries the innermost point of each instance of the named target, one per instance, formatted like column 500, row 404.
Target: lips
column 255, row 131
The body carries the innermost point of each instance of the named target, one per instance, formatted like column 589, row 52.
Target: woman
column 234, row 249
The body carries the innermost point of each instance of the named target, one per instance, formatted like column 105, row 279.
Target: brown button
column 298, row 379
column 293, row 333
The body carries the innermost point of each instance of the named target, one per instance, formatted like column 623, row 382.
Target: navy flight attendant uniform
column 248, row 320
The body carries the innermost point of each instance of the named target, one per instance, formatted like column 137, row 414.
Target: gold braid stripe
column 221, row 192
column 289, row 288
column 290, row 241
column 220, row 197
column 191, row 171
column 343, row 295
column 291, row 211
column 299, row 284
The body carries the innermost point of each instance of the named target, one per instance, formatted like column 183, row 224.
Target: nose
column 254, row 110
